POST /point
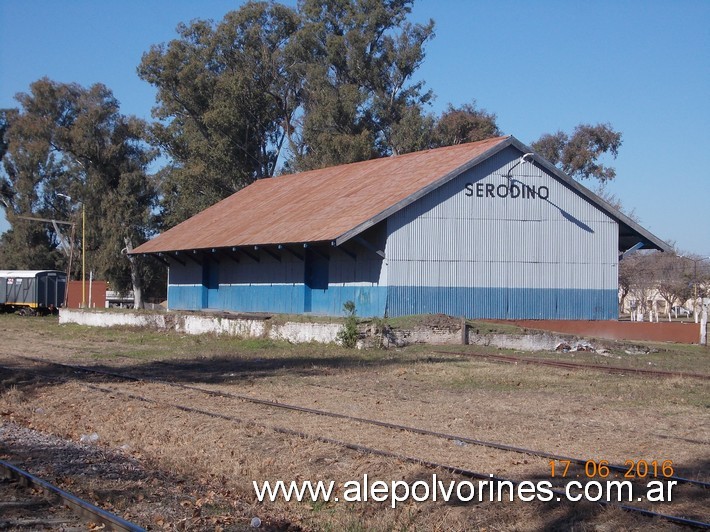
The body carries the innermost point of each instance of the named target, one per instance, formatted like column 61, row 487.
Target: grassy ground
column 579, row 413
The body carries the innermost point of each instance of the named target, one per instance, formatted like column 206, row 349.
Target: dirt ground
column 197, row 462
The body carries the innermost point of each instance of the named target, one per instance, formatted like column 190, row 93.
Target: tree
column 4, row 123
column 465, row 124
column 27, row 244
column 332, row 78
column 638, row 279
column 226, row 101
column 72, row 140
column 625, row 280
column 358, row 58
column 696, row 281
column 646, row 275
column 670, row 283
column 578, row 155
column 418, row 130
column 414, row 132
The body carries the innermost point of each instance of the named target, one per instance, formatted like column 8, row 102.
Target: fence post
column 704, row 327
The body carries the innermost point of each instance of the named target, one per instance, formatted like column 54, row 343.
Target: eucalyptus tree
column 70, row 140
column 226, row 99
column 358, row 60
column 578, row 154
column 466, row 123
column 27, row 164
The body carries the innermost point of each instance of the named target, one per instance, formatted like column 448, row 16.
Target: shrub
column 349, row 334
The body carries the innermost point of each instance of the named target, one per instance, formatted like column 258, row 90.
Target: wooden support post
column 317, row 252
column 464, row 331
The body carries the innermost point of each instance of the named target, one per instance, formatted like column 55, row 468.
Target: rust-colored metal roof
column 331, row 204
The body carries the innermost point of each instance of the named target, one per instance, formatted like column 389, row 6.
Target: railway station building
column 484, row 230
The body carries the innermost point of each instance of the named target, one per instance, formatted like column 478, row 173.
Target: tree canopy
column 67, row 139
column 578, row 154
column 272, row 88
column 465, row 124
column 357, row 59
column 330, row 80
column 226, row 99
column 678, row 280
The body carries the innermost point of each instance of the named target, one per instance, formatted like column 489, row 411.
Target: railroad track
column 615, row 370
column 559, row 494
column 361, row 448
column 24, row 507
column 385, row 424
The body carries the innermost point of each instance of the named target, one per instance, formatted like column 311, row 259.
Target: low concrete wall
column 192, row 324
column 205, row 324
column 550, row 336
column 534, row 341
column 429, row 335
column 529, row 342
column 296, row 332
column 112, row 319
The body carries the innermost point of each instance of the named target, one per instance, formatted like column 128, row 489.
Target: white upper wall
column 484, row 229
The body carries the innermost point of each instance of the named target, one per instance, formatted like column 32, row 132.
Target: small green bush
column 349, row 334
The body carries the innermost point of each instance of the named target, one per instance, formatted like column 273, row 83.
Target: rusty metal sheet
column 319, row 205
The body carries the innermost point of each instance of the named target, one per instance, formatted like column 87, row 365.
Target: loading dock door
column 315, row 278
column 210, row 282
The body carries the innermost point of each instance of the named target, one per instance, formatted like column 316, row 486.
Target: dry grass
column 585, row 414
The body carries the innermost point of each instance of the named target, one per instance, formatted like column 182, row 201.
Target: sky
column 541, row 66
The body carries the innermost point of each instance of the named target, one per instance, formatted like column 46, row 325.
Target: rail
column 83, row 508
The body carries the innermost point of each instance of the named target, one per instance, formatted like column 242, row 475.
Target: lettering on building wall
column 489, row 190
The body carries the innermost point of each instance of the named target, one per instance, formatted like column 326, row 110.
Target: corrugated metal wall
column 485, row 245
column 272, row 285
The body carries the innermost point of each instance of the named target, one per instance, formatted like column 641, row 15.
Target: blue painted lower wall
column 495, row 303
column 369, row 300
column 504, row 303
column 185, row 297
column 283, row 299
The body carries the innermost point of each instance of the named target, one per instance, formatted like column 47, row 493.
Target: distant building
column 479, row 230
column 116, row 299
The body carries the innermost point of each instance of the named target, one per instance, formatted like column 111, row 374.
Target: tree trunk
column 135, row 275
